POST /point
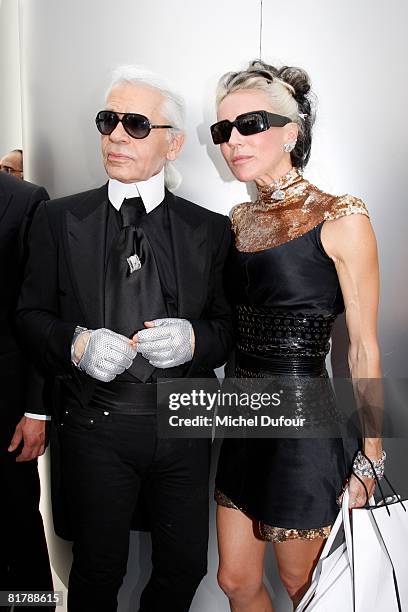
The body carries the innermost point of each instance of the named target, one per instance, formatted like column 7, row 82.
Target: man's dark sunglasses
column 137, row 126
column 247, row 124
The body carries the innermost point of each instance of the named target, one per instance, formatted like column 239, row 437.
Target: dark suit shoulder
column 76, row 200
column 78, row 204
column 201, row 214
column 24, row 194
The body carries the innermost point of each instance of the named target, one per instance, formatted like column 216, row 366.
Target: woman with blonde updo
column 301, row 257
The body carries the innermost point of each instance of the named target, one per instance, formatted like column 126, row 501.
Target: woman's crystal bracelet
column 362, row 466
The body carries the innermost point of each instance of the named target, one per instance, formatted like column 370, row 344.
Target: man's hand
column 32, row 431
column 80, row 345
column 103, row 354
column 166, row 343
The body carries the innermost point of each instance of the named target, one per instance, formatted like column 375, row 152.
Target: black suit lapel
column 190, row 244
column 86, row 236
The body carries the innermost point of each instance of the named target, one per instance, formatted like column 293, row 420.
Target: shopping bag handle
column 347, row 526
column 342, row 520
column 332, row 535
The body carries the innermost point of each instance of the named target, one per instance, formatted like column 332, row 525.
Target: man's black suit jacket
column 18, row 200
column 64, row 282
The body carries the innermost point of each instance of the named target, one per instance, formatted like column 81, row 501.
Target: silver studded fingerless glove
column 106, row 355
column 168, row 343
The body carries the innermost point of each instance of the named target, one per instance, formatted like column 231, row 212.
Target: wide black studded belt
column 294, row 335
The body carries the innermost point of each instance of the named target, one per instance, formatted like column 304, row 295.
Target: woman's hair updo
column 288, row 89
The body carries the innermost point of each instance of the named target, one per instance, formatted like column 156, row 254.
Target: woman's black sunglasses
column 137, row 126
column 247, row 124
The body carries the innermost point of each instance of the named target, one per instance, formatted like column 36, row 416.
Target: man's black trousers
column 106, row 460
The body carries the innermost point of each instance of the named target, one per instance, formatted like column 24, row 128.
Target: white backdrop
column 10, row 92
column 356, row 55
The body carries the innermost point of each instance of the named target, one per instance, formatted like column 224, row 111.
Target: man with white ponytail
column 124, row 286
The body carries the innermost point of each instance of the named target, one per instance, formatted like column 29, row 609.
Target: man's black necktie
column 132, row 211
column 132, row 295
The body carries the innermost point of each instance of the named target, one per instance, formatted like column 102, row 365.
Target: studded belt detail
column 264, row 332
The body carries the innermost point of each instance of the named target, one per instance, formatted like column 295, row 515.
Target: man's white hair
column 173, row 108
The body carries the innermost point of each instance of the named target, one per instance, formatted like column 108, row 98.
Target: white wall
column 356, row 54
column 10, row 92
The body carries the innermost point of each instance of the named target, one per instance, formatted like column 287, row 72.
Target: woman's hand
column 357, row 493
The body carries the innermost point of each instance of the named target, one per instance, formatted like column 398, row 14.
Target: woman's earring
column 289, row 146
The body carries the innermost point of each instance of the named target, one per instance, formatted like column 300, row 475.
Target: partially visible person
column 12, row 163
column 301, row 257
column 24, row 563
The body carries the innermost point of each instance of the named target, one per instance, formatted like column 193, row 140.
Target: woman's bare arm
column 350, row 242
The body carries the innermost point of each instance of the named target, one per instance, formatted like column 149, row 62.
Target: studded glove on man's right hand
column 106, row 354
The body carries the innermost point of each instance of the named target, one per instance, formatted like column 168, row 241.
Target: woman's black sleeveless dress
column 286, row 297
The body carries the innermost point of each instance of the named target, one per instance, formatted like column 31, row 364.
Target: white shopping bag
column 368, row 572
column 380, row 542
column 331, row 589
